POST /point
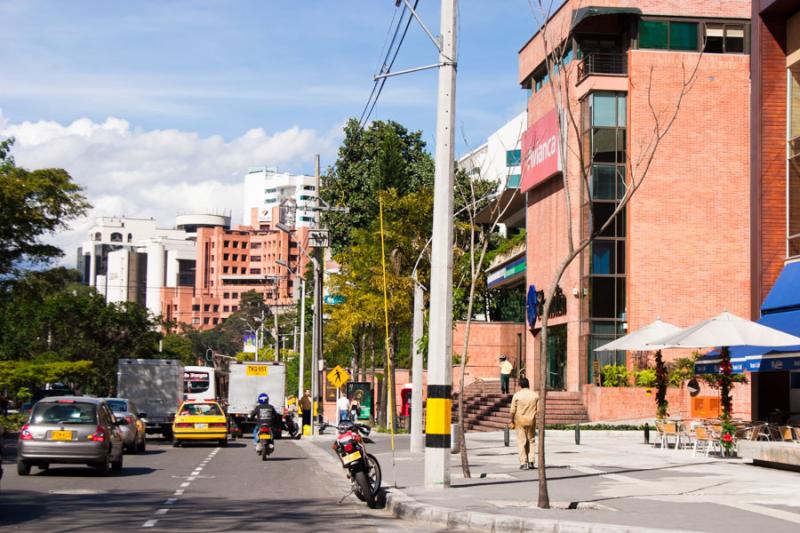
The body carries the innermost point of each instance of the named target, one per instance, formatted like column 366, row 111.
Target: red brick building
column 775, row 209
column 232, row 262
column 680, row 250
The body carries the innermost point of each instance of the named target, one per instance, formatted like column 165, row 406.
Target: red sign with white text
column 540, row 147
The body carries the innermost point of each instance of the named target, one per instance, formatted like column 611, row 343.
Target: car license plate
column 347, row 459
column 264, row 436
column 201, row 426
column 61, row 435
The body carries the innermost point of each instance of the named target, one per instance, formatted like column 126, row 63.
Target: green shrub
column 13, row 422
column 615, row 376
column 680, row 370
column 646, row 377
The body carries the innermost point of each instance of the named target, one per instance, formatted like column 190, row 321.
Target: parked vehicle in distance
column 134, row 432
column 71, row 430
column 245, row 382
column 199, row 421
column 199, row 383
column 156, row 387
column 25, row 408
column 55, row 389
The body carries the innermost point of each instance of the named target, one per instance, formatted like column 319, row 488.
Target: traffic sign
column 338, row 376
column 318, row 238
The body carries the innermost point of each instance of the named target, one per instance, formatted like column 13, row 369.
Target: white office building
column 498, row 159
column 266, row 188
column 130, row 259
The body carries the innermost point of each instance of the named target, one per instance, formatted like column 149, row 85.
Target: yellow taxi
column 198, row 420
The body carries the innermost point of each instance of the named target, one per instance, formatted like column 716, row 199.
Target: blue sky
column 92, row 84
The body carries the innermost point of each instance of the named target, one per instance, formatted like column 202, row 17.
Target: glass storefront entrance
column 557, row 357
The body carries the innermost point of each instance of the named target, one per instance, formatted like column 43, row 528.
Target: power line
column 377, row 87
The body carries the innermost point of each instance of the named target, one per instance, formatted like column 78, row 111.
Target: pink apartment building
column 231, row 262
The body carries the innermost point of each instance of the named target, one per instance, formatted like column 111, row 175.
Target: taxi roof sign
column 338, row 376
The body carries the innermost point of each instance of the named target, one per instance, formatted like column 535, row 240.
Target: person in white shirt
column 343, row 406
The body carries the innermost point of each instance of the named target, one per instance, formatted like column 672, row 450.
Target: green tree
column 33, row 204
column 384, row 156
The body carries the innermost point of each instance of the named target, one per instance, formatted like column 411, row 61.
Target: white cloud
column 156, row 173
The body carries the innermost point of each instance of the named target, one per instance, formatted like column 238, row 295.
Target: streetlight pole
column 316, row 333
column 302, row 355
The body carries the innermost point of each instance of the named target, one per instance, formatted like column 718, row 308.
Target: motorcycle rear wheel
column 374, row 474
column 264, row 452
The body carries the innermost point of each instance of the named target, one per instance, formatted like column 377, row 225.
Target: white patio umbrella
column 725, row 330
column 642, row 338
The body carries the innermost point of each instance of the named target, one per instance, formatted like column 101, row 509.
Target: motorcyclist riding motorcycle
column 264, row 413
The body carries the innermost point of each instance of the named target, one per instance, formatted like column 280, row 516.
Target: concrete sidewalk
column 611, row 482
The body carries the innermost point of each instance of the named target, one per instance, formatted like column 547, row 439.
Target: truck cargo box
column 247, row 380
column 155, row 386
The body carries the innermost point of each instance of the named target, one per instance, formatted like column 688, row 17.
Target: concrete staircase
column 486, row 409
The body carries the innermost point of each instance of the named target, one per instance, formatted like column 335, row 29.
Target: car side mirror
column 121, row 422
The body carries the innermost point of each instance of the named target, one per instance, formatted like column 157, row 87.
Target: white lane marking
column 185, row 484
column 150, row 523
column 170, row 501
column 162, row 512
column 179, row 492
column 191, row 478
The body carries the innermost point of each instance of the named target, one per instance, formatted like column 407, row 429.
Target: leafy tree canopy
column 383, row 156
column 33, row 204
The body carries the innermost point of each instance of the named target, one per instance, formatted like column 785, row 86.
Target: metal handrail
column 608, row 64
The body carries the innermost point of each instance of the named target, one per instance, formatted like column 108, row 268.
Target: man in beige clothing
column 524, row 408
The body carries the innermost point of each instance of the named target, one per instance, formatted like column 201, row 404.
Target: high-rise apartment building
column 266, row 188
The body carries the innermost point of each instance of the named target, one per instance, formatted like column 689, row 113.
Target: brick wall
column 631, row 403
column 772, row 132
column 688, row 225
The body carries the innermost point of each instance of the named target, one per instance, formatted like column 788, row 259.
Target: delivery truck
column 156, row 387
column 246, row 380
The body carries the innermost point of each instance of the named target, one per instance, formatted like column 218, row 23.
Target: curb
column 404, row 507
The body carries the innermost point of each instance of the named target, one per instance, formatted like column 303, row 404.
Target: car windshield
column 200, row 409
column 118, row 406
column 64, row 413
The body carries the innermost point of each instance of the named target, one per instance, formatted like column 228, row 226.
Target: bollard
column 455, row 444
column 505, row 436
column 646, row 433
column 577, row 434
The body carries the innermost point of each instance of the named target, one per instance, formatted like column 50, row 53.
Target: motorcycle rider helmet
column 263, row 399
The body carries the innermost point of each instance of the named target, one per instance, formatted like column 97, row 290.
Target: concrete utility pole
column 417, row 440
column 302, row 335
column 277, row 333
column 440, row 333
column 319, row 272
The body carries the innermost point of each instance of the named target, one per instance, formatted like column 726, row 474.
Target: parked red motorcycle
column 363, row 469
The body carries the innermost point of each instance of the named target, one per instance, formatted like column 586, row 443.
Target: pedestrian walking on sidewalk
column 505, row 373
column 343, row 405
column 524, row 408
column 306, row 407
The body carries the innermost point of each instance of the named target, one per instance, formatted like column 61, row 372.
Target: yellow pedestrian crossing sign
column 338, row 377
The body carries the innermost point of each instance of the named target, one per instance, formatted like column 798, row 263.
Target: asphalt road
column 192, row 488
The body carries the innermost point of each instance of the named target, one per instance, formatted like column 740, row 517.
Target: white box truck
column 246, row 380
column 156, row 387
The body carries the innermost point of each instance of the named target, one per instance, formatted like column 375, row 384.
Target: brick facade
column 688, row 226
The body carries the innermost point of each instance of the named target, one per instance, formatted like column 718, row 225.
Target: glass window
column 602, row 257
column 64, row 412
column 715, row 38
column 653, row 34
column 603, row 182
column 200, row 409
column 734, row 39
column 513, row 181
column 513, row 158
column 682, row 35
column 602, row 297
column 118, row 406
column 604, row 107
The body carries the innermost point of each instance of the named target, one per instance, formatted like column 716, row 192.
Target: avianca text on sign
column 540, row 148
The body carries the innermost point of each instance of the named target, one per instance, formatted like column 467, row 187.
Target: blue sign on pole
column 532, row 305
